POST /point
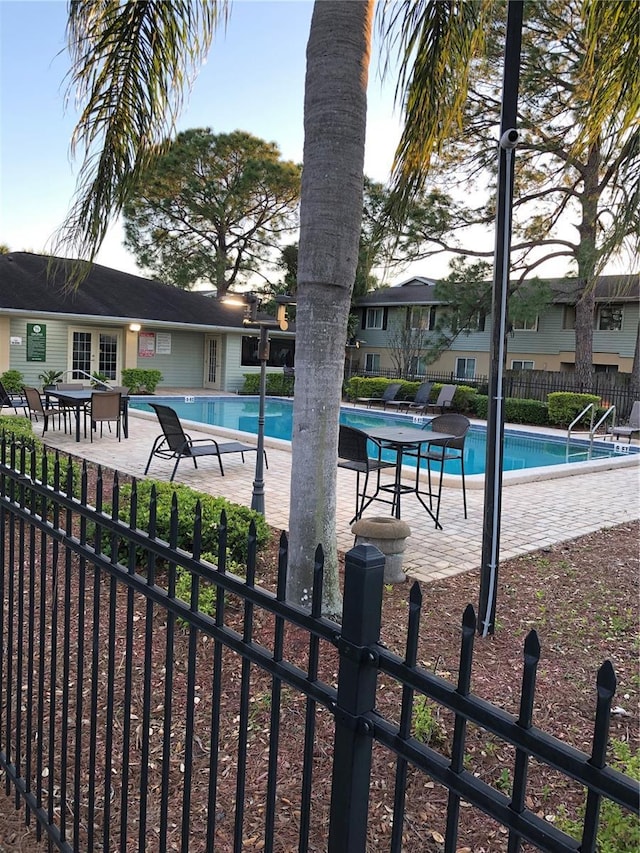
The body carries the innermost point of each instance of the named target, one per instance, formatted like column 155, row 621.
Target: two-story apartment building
column 545, row 343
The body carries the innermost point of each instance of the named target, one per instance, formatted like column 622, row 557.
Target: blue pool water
column 521, row 450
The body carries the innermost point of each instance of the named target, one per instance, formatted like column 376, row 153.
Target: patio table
column 77, row 400
column 401, row 439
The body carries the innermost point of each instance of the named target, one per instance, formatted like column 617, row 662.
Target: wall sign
column 163, row 343
column 146, row 344
column 36, row 342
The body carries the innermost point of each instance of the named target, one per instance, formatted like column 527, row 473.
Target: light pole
column 251, row 303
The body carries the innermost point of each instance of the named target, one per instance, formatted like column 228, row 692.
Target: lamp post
column 251, row 303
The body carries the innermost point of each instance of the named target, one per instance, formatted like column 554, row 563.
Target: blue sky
column 253, row 80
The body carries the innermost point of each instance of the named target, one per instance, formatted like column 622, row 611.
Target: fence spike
column 606, row 680
column 415, row 594
column 469, row 619
column 532, row 647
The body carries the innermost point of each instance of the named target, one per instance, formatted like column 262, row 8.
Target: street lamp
column 251, row 303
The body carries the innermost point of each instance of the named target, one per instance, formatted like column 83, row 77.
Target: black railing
column 133, row 719
column 614, row 389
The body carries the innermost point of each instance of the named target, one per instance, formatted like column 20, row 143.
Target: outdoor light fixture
column 251, row 302
column 134, row 327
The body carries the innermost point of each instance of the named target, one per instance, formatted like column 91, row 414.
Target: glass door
column 212, row 362
column 94, row 351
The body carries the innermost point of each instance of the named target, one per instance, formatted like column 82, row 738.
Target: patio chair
column 442, row 451
column 389, row 394
column 105, row 407
column 445, row 399
column 38, row 407
column 420, row 401
column 632, row 426
column 13, row 401
column 175, row 443
column 353, row 454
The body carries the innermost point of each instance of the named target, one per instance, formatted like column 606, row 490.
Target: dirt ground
column 581, row 597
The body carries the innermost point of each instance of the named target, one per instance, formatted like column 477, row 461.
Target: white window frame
column 525, row 364
column 423, row 318
column 465, row 373
column 375, row 318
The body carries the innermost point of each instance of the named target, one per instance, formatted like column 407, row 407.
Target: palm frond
column 435, row 43
column 132, row 64
column 611, row 70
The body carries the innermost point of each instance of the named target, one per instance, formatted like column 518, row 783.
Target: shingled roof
column 25, row 286
column 422, row 291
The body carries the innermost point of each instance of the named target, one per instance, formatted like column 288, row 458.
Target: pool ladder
column 593, row 428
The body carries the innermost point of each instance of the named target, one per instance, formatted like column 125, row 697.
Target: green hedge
column 362, row 386
column 565, row 406
column 276, row 385
column 141, row 381
column 516, row 411
column 238, row 519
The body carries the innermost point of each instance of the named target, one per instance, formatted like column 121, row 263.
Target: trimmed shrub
column 238, row 519
column 17, row 425
column 141, row 381
column 565, row 406
column 276, row 385
column 13, row 381
column 516, row 411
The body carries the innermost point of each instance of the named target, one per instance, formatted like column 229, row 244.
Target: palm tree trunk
column 330, row 219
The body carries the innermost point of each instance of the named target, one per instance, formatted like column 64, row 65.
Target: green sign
column 36, row 342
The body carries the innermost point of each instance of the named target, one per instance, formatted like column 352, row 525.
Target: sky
column 253, row 80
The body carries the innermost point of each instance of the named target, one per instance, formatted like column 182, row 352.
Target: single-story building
column 546, row 343
column 115, row 320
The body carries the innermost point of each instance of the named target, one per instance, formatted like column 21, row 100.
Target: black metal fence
column 614, row 389
column 134, row 717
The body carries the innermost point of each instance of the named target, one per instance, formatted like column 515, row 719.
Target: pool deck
column 547, row 508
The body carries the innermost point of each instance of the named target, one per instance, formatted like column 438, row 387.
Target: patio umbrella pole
column 495, row 415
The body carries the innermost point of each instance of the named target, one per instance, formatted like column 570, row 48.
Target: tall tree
column 130, row 63
column 212, row 208
column 577, row 164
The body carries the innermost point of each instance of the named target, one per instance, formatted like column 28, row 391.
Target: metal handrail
column 593, row 428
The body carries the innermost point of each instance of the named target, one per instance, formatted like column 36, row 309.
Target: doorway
column 212, row 362
column 94, row 351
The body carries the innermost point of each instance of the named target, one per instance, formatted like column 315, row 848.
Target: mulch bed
column 580, row 596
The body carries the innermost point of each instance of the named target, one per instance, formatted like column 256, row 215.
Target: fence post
column 357, row 675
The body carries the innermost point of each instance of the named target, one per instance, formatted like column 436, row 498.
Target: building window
column 375, row 318
column 610, row 318
column 569, row 317
column 281, row 352
column 419, row 365
column 423, row 318
column 372, row 362
column 465, row 368
column 525, row 325
column 522, row 365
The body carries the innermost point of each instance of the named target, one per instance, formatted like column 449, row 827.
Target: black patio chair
column 13, row 401
column 353, row 454
column 444, row 450
column 175, row 443
column 389, row 393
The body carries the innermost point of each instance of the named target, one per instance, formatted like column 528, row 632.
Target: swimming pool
column 522, row 450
